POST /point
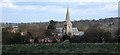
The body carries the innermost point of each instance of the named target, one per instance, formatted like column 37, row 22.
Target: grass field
column 62, row 48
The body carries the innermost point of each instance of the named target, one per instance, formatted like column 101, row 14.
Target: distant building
column 14, row 30
column 75, row 31
column 67, row 29
column 23, row 33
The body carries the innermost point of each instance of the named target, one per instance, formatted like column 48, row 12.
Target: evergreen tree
column 51, row 28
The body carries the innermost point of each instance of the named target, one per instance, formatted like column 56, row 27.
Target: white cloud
column 109, row 7
column 65, row 0
column 7, row 3
column 96, row 10
column 100, row 1
column 52, row 9
column 60, row 10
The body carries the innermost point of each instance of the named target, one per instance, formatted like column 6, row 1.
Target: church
column 68, row 29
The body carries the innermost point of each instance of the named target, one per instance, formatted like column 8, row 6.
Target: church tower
column 68, row 25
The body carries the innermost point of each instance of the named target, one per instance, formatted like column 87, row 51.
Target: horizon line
column 58, row 21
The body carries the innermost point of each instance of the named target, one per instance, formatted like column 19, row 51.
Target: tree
column 52, row 24
column 81, row 28
column 51, row 28
column 35, row 30
column 118, row 35
column 76, row 39
column 23, row 27
column 117, row 32
column 8, row 28
column 95, row 34
column 12, row 38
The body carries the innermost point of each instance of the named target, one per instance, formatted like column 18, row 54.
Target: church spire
column 67, row 16
column 68, row 25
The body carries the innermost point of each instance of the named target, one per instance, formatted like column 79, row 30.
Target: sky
column 17, row 11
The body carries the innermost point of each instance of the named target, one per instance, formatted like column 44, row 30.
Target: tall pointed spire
column 68, row 25
column 67, row 16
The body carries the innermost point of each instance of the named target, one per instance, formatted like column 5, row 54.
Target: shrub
column 12, row 38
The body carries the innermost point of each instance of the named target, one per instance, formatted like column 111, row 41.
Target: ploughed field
column 62, row 48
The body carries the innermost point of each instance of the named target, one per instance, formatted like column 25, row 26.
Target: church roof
column 59, row 29
column 74, row 29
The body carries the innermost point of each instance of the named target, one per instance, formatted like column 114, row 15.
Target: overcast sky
column 17, row 11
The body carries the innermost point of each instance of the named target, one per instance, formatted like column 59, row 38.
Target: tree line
column 93, row 34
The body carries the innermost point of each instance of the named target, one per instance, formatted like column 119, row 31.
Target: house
column 23, row 33
column 14, row 29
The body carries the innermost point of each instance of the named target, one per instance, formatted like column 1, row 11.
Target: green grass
column 63, row 48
